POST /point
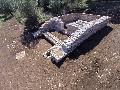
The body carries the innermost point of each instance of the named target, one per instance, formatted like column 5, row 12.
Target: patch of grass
column 4, row 17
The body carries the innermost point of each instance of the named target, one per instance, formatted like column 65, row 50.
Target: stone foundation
column 78, row 26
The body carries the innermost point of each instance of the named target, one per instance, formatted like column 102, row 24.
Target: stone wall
column 78, row 16
column 52, row 24
column 86, row 31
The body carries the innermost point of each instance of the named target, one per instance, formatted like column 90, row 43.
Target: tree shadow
column 88, row 45
column 31, row 26
column 109, row 8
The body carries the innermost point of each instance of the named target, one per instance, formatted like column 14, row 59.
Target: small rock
column 20, row 55
column 95, row 52
column 114, row 54
column 61, row 85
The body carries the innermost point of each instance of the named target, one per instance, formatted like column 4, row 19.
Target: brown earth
column 93, row 65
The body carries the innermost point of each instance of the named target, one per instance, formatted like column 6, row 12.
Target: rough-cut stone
column 54, row 23
column 72, row 27
column 53, row 39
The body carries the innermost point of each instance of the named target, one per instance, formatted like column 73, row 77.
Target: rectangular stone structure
column 78, row 26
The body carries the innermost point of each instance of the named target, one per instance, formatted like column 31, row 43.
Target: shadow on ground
column 109, row 8
column 31, row 26
column 87, row 45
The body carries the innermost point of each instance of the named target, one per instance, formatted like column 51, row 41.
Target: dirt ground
column 94, row 65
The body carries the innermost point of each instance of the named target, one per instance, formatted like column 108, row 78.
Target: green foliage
column 41, row 17
column 22, row 9
column 61, row 6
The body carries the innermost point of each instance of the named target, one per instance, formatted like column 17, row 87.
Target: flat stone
column 20, row 55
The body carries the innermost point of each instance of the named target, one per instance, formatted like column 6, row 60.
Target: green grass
column 2, row 17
